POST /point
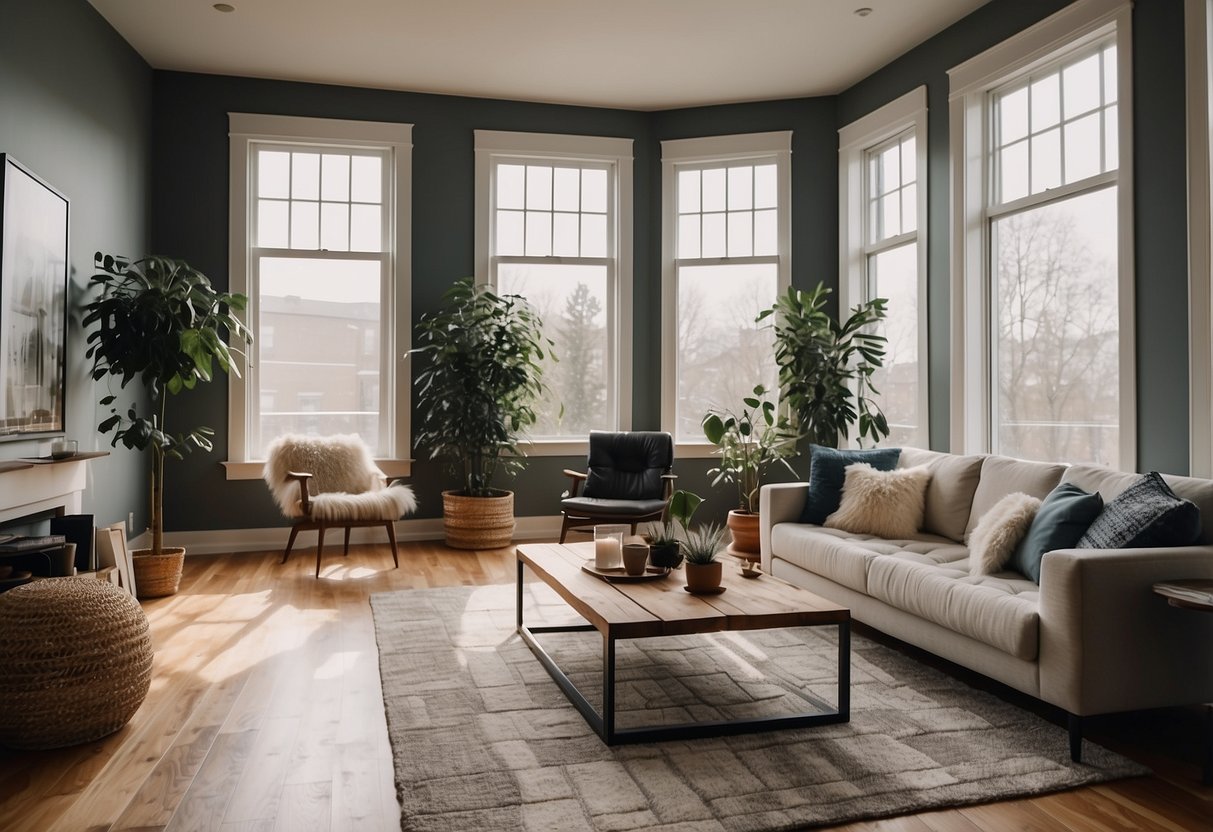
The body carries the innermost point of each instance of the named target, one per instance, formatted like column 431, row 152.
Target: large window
column 316, row 245
column 726, row 242
column 553, row 225
column 882, row 198
column 1045, row 245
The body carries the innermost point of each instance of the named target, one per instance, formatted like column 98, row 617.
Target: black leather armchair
column 628, row 480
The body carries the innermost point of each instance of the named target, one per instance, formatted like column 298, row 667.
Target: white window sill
column 254, row 470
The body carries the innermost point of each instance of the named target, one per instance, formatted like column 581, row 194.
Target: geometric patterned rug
column 482, row 738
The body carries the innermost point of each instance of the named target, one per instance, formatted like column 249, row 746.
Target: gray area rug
column 482, row 738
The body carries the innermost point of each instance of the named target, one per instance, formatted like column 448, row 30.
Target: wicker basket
column 157, row 575
column 75, row 662
column 478, row 522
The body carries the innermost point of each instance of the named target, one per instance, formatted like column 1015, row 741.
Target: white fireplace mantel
column 30, row 486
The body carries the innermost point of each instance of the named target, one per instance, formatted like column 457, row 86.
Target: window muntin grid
column 728, row 211
column 892, row 188
column 1056, row 127
column 327, row 199
column 551, row 210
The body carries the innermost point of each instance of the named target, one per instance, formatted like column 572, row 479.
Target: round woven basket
column 478, row 522
column 75, row 662
column 157, row 575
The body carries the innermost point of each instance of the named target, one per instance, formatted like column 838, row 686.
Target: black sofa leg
column 1075, row 738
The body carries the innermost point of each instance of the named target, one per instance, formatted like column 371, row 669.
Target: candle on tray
column 608, row 546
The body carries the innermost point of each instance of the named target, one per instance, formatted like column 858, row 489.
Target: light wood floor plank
column 266, row 713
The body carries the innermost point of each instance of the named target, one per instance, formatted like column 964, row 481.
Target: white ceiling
column 635, row 54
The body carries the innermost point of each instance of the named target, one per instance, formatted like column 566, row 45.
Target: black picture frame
column 34, row 272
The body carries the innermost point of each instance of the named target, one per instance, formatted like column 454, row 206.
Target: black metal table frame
column 604, row 723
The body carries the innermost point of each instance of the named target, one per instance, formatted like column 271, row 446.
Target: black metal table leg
column 608, row 690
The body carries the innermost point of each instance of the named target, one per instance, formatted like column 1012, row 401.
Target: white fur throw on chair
column 345, row 485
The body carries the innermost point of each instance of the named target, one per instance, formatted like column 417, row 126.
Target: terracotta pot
column 478, row 522
column 743, row 525
column 704, row 577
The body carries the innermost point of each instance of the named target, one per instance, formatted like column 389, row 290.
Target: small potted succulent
column 665, row 537
column 701, row 547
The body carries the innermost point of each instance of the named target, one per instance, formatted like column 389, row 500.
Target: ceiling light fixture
column 863, row 12
column 224, row 7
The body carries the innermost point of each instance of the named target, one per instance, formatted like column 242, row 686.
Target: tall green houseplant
column 749, row 440
column 476, row 395
column 159, row 322
column 826, row 365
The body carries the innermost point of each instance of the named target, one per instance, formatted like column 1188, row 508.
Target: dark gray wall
column 1160, row 222
column 190, row 215
column 75, row 107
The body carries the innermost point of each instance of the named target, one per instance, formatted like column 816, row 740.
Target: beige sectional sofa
column 1091, row 638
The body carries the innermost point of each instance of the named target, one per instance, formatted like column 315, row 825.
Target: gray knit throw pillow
column 1144, row 515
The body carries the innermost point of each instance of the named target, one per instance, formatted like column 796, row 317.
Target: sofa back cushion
column 1111, row 483
column 1002, row 475
column 949, row 497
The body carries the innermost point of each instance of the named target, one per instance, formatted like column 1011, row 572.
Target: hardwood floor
column 265, row 713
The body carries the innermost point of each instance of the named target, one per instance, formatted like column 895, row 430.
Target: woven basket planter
column 478, row 522
column 75, row 662
column 157, row 575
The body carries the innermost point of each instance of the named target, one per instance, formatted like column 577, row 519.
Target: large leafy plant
column 160, row 323
column 477, row 392
column 749, row 441
column 826, row 366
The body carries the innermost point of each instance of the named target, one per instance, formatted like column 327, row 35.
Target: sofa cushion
column 1146, row 514
column 997, row 534
column 1063, row 518
column 949, row 498
column 844, row 557
column 1110, row 483
column 884, row 503
column 1001, row 475
column 827, row 470
column 1000, row 610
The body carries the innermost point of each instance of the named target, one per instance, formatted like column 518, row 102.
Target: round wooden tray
column 616, row 574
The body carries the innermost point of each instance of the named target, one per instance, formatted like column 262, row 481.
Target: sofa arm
column 1108, row 643
column 778, row 503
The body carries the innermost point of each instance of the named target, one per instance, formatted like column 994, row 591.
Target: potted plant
column 826, row 367
column 701, row 547
column 476, row 398
column 159, row 322
column 748, row 441
column 664, row 537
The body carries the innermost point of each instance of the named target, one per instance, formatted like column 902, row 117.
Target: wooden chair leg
column 319, row 547
column 391, row 536
column 346, row 551
column 633, row 529
column 290, row 542
column 564, row 527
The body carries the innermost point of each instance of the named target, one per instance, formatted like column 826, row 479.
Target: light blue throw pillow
column 1063, row 518
column 828, row 471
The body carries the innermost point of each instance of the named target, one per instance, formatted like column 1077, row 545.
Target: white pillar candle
column 608, row 553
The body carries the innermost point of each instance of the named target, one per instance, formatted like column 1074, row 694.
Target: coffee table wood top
column 663, row 608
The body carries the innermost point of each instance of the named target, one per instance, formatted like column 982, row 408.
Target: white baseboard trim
column 220, row 541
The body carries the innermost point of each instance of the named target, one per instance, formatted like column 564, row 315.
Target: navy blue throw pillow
column 1063, row 518
column 1146, row 514
column 827, row 473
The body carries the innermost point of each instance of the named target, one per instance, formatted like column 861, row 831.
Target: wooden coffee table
column 662, row 608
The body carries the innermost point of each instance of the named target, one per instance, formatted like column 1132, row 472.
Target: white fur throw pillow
column 887, row 504
column 998, row 532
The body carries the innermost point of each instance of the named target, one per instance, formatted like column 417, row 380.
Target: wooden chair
column 333, row 482
column 628, row 480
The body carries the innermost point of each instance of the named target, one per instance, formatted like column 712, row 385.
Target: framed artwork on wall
column 33, row 303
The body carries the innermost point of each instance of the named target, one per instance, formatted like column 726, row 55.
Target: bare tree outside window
column 1057, row 331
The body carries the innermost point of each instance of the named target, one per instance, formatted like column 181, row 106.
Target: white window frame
column 907, row 113
column 710, row 150
column 247, row 130
column 1069, row 30
column 1198, row 35
column 616, row 154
